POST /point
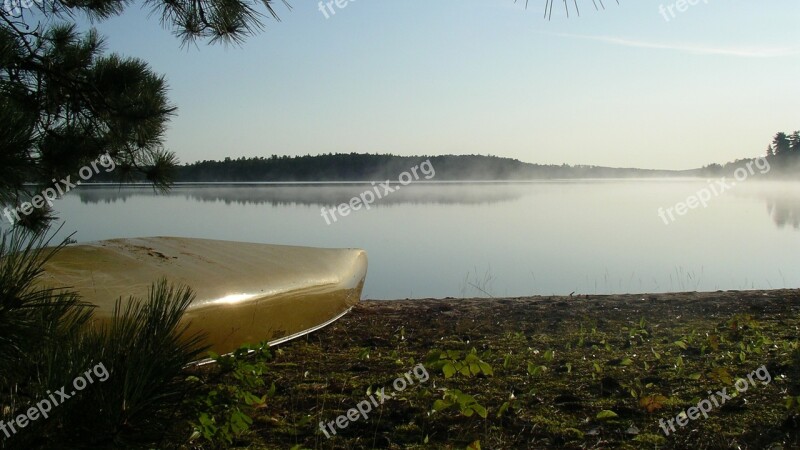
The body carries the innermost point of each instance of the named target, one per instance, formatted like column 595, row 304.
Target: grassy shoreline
column 560, row 366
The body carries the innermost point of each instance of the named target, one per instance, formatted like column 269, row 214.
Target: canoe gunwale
column 281, row 340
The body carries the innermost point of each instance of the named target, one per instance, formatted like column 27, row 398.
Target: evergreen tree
column 794, row 145
column 64, row 101
column 781, row 144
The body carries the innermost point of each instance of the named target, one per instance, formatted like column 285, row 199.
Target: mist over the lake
column 481, row 239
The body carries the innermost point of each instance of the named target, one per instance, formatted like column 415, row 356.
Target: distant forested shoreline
column 368, row 167
column 783, row 156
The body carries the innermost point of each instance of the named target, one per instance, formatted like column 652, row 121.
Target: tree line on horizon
column 362, row 167
column 783, row 155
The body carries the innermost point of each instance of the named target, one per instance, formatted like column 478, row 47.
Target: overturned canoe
column 245, row 293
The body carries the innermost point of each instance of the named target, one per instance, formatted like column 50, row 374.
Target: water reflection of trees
column 327, row 195
column 783, row 208
column 785, row 211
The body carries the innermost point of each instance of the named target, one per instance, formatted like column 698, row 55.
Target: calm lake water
column 482, row 239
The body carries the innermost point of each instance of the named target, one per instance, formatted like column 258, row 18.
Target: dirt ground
column 543, row 372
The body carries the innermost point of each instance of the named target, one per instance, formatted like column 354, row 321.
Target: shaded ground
column 565, row 372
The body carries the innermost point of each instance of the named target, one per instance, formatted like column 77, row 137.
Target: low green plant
column 227, row 408
column 465, row 403
column 637, row 332
column 793, row 404
column 507, row 405
column 452, row 362
column 536, row 370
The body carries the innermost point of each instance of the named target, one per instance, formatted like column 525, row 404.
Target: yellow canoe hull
column 245, row 293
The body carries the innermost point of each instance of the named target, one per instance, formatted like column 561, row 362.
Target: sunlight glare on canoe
column 233, row 299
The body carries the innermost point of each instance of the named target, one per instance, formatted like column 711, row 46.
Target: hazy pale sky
column 620, row 87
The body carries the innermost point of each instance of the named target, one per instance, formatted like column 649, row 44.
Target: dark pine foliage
column 64, row 101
